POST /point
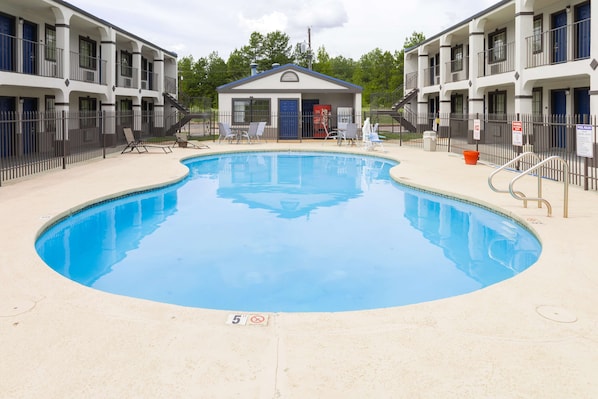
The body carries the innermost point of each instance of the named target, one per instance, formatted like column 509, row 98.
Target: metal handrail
column 519, row 195
column 540, row 199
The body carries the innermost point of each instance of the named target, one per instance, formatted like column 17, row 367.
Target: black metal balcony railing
column 458, row 70
column 88, row 69
column 565, row 44
column 499, row 59
column 27, row 57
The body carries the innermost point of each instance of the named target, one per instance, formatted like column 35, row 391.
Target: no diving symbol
column 257, row 319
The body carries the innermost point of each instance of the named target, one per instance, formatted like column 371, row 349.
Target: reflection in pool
column 288, row 232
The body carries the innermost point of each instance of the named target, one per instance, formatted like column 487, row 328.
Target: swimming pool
column 284, row 231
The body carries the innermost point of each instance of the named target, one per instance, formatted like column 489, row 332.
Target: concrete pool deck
column 533, row 336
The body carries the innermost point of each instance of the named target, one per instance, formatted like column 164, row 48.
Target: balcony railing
column 432, row 76
column 126, row 76
column 170, row 85
column 88, row 69
column 24, row 56
column 458, row 70
column 148, row 80
column 564, row 44
column 497, row 60
column 411, row 81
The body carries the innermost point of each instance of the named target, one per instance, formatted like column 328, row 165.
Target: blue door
column 29, row 123
column 7, row 125
column 582, row 31
column 7, row 33
column 559, row 112
column 559, row 37
column 288, row 119
column 29, row 47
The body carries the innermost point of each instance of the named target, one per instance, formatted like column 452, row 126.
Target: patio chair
column 349, row 133
column 329, row 133
column 376, row 141
column 182, row 140
column 135, row 144
column 225, row 132
column 366, row 130
column 256, row 130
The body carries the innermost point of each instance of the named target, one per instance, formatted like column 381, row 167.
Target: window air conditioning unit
column 495, row 69
column 144, row 84
column 437, row 80
column 127, row 82
column 455, row 77
column 90, row 76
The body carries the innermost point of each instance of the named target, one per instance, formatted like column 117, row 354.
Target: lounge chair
column 366, row 130
column 135, row 144
column 182, row 140
column 225, row 132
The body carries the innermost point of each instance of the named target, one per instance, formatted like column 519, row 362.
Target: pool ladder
column 540, row 163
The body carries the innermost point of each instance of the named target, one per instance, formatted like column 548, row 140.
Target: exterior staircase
column 396, row 111
column 187, row 115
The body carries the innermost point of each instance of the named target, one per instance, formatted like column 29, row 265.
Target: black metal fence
column 33, row 142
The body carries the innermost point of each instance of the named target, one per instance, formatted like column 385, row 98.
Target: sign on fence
column 477, row 128
column 517, row 129
column 585, row 143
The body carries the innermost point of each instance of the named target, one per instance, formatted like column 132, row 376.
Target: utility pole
column 309, row 54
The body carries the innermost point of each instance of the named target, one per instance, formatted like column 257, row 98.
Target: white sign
column 477, row 128
column 517, row 129
column 585, row 142
column 237, row 319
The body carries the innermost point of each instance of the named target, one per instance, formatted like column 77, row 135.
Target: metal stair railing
column 540, row 199
column 517, row 194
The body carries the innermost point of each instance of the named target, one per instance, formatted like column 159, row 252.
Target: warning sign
column 258, row 319
column 517, row 129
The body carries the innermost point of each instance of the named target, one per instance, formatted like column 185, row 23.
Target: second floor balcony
column 88, row 69
column 31, row 58
column 457, row 70
column 564, row 44
column 497, row 60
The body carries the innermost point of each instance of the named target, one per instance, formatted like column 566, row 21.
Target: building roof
column 230, row 87
column 104, row 22
column 465, row 21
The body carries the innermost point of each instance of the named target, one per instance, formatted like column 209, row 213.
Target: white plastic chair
column 376, row 141
column 349, row 133
column 225, row 132
column 256, row 130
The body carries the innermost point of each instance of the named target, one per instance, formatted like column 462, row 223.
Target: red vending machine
column 322, row 114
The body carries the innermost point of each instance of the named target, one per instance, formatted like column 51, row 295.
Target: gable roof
column 340, row 85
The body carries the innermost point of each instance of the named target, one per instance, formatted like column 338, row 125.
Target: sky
column 348, row 28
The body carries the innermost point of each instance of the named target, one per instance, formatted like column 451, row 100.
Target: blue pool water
column 287, row 232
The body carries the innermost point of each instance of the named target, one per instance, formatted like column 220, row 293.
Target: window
column 50, row 43
column 537, row 43
column 87, row 112
column 247, row 110
column 498, row 46
column 126, row 64
column 457, row 104
column 87, row 53
column 457, row 58
column 497, row 102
